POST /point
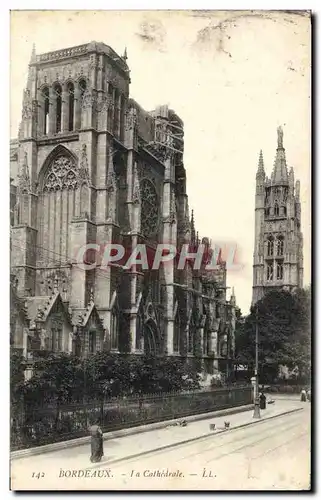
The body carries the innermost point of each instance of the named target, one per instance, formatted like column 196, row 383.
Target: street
column 272, row 454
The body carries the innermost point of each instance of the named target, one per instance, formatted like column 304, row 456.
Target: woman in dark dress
column 262, row 401
column 97, row 447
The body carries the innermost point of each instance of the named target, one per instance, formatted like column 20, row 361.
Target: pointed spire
column 192, row 227
column 280, row 137
column 125, row 54
column 291, row 177
column 24, row 176
column 260, row 171
column 280, row 172
column 33, row 57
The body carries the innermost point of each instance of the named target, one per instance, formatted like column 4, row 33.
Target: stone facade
column 278, row 248
column 94, row 167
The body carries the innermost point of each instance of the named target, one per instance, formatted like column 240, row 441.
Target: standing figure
column 97, row 447
column 303, row 395
column 309, row 395
column 262, row 401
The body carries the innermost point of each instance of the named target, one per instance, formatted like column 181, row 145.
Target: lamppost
column 256, row 413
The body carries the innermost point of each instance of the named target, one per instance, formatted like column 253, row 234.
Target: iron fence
column 35, row 427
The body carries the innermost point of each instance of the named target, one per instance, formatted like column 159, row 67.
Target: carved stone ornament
column 149, row 207
column 24, row 177
column 83, row 168
column 27, row 105
column 131, row 119
column 104, row 102
column 62, row 175
column 43, row 339
column 111, row 176
column 89, row 99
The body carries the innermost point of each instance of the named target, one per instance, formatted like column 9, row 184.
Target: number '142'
column 38, row 475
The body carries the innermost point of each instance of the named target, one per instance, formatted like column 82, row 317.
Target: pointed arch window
column 270, row 246
column 280, row 246
column 110, row 107
column 58, row 99
column 82, row 89
column 45, row 96
column 279, row 271
column 61, row 175
column 139, row 330
column 114, row 322
column 276, row 209
column 92, row 341
column 71, row 105
column 269, row 271
column 191, row 335
column 177, row 328
column 149, row 208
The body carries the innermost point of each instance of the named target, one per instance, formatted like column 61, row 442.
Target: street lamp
column 256, row 413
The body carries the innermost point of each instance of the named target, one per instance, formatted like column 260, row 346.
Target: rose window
column 149, row 208
column 61, row 175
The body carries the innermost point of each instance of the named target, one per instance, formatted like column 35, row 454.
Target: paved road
column 273, row 454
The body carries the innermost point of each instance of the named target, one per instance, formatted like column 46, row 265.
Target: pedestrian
column 303, row 395
column 309, row 395
column 97, row 440
column 262, row 401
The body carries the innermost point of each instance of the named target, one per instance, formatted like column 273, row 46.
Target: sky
column 232, row 76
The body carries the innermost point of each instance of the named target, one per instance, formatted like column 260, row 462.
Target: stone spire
column 291, row 177
column 192, row 227
column 125, row 54
column 33, row 57
column 260, row 171
column 24, row 176
column 280, row 173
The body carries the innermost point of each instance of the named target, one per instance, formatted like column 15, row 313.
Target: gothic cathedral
column 278, row 247
column 90, row 166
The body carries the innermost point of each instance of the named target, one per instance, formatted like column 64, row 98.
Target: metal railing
column 38, row 426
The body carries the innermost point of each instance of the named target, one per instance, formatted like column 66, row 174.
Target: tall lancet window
column 45, row 94
column 280, row 246
column 114, row 328
column 82, row 90
column 276, row 209
column 176, row 339
column 269, row 272
column 279, row 271
column 58, row 96
column 71, row 105
column 270, row 246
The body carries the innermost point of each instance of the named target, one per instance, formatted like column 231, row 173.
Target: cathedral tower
column 278, row 243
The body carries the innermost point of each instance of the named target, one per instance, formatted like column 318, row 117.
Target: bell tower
column 278, row 243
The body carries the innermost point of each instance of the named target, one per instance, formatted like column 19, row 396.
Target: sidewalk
column 139, row 444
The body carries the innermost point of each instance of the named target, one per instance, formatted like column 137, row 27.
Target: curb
column 190, row 440
column 48, row 448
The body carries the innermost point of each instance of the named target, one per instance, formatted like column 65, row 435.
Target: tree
column 284, row 333
column 17, row 368
column 57, row 378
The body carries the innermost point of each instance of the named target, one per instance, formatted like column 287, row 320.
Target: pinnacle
column 260, row 170
column 33, row 54
column 280, row 173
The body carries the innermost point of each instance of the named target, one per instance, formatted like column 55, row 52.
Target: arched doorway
column 150, row 339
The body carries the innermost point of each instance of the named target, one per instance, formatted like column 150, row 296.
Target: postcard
column 160, row 264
